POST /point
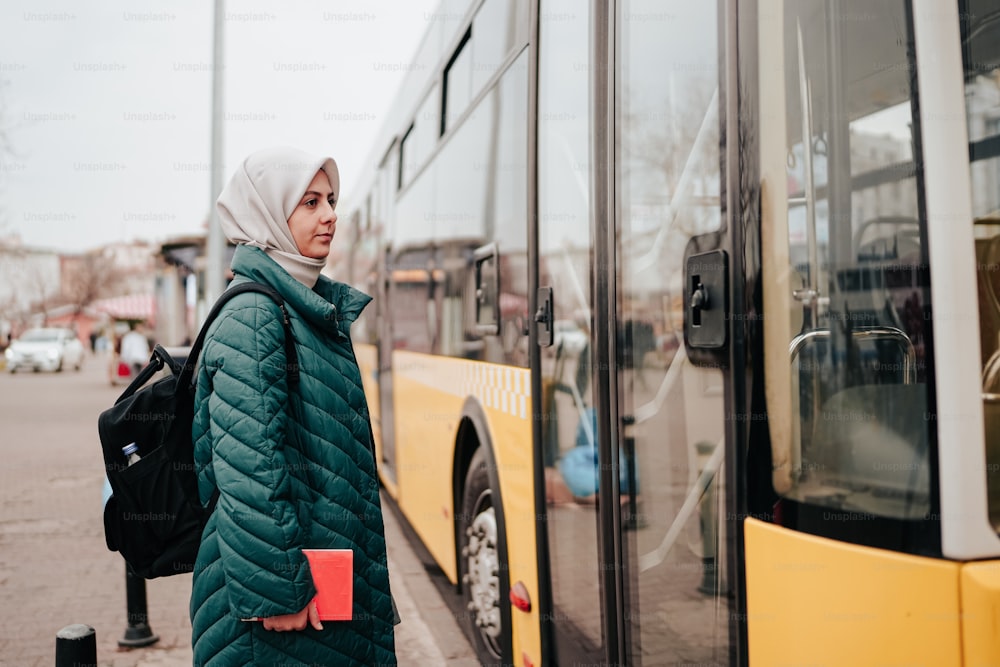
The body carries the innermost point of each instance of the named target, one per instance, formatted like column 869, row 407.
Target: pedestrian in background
column 294, row 467
column 134, row 350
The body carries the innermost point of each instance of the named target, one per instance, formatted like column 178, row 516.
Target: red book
column 333, row 574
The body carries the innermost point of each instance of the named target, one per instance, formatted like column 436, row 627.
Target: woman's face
column 313, row 221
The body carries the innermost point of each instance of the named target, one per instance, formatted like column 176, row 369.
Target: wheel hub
column 484, row 570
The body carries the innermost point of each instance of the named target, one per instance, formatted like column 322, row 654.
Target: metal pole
column 215, row 244
column 76, row 646
column 137, row 631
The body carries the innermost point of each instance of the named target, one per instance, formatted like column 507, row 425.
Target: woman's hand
column 308, row 616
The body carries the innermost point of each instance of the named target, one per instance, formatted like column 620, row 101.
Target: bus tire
column 483, row 573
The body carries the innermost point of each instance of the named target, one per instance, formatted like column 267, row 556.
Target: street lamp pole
column 215, row 248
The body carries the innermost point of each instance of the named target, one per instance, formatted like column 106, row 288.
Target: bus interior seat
column 902, row 240
column 871, row 441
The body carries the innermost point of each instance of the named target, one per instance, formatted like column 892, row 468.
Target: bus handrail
column 811, row 293
column 892, row 333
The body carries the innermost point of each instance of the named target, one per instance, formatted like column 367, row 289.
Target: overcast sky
column 106, row 106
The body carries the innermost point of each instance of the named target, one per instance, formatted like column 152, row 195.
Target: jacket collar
column 330, row 306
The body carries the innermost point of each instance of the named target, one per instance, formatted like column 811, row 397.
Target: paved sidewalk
column 427, row 635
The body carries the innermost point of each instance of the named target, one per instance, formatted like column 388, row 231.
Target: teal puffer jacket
column 294, row 469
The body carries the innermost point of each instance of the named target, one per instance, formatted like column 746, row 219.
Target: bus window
column 981, row 58
column 412, row 300
column 459, row 337
column 457, row 83
column 845, row 272
column 420, row 140
column 494, row 28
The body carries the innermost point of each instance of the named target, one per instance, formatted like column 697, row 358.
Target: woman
column 293, row 465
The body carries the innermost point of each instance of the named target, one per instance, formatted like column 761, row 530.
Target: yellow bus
column 684, row 348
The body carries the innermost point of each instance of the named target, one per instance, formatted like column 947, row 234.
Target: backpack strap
column 157, row 361
column 291, row 357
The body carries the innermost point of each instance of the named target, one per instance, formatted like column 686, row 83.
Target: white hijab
column 255, row 206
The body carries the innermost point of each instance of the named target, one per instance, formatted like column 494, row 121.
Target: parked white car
column 45, row 349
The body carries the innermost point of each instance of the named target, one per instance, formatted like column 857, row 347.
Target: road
column 55, row 569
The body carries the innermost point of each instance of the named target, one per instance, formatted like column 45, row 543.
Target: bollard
column 630, row 518
column 709, row 532
column 76, row 646
column 137, row 632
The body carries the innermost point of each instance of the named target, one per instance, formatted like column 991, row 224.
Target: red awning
column 131, row 307
column 513, row 304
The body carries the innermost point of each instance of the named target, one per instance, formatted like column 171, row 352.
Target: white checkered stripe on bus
column 501, row 388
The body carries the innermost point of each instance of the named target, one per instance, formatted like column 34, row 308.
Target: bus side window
column 845, row 279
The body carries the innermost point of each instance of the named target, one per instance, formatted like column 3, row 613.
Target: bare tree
column 662, row 141
column 86, row 278
column 28, row 281
column 6, row 147
column 38, row 284
column 5, row 144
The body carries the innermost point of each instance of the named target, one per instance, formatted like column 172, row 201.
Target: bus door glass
column 565, row 258
column 845, row 274
column 981, row 57
column 671, row 421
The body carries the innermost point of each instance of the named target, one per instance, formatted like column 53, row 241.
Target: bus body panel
column 511, row 436
column 430, row 392
column 428, row 406
column 981, row 613
column 367, row 356
column 815, row 601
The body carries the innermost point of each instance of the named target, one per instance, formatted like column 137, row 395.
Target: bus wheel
column 483, row 577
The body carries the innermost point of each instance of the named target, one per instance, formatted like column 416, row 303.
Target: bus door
column 635, row 561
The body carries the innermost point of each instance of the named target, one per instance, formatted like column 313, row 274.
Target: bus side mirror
column 487, row 259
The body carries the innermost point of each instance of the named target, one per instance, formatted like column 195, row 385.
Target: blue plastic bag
column 580, row 465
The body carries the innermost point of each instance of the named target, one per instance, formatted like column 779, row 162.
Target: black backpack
column 154, row 517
